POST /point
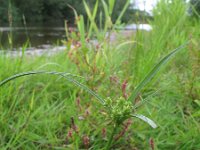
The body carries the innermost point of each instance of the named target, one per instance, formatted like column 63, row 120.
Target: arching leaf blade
column 153, row 72
column 65, row 75
column 145, row 119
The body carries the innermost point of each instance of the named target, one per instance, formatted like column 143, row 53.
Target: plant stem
column 111, row 137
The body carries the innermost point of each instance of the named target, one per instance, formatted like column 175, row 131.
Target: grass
column 46, row 112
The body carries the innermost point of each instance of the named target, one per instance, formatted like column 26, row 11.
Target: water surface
column 39, row 37
column 45, row 37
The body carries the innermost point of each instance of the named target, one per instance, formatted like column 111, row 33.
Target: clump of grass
column 37, row 112
column 118, row 110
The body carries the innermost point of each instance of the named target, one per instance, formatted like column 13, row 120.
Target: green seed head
column 119, row 110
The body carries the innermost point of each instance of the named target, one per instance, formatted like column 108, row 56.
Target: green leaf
column 75, row 13
column 145, row 119
column 153, row 72
column 108, row 21
column 197, row 102
column 106, row 9
column 80, row 25
column 122, row 12
column 111, row 6
column 92, row 17
column 68, row 76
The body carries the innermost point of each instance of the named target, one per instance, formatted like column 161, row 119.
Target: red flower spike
column 124, row 130
column 151, row 142
column 69, row 134
column 86, row 141
column 78, row 102
column 73, row 126
column 114, row 79
column 123, row 87
column 104, row 132
column 87, row 112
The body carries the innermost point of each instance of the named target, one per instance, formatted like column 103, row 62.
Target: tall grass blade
column 80, row 24
column 153, row 72
column 118, row 21
column 81, row 27
column 66, row 29
column 108, row 21
column 92, row 17
column 74, row 10
column 111, row 6
column 100, row 20
column 125, row 43
column 194, row 9
column 106, row 9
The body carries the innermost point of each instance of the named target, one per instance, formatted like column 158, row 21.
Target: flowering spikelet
column 87, row 40
column 120, row 109
column 86, row 141
column 151, row 142
column 124, row 86
column 73, row 126
column 125, row 129
column 70, row 133
column 114, row 79
column 78, row 103
column 103, row 132
column 87, row 112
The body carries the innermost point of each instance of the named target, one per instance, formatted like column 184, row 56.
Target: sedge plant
column 118, row 110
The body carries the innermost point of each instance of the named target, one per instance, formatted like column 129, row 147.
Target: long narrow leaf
column 122, row 12
column 145, row 119
column 80, row 25
column 153, row 72
column 68, row 76
column 108, row 20
column 105, row 7
column 92, row 17
column 111, row 6
column 74, row 10
column 101, row 100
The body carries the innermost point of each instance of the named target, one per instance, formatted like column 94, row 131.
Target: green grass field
column 49, row 112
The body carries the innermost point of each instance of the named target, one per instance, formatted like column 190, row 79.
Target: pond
column 45, row 38
column 39, row 37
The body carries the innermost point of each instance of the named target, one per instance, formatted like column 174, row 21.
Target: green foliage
column 195, row 8
column 8, row 12
column 118, row 110
column 152, row 73
column 42, row 11
column 45, row 112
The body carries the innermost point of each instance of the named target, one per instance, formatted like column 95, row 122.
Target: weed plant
column 117, row 110
column 45, row 112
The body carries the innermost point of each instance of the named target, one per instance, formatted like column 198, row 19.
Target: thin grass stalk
column 10, row 20
column 122, row 12
column 92, row 17
column 108, row 146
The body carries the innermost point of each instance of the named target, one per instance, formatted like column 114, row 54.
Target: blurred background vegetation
column 195, row 8
column 55, row 11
